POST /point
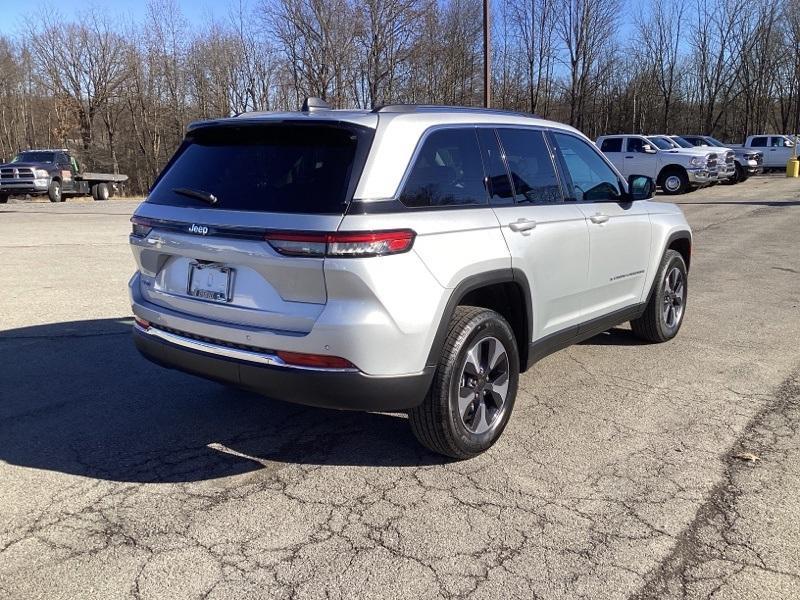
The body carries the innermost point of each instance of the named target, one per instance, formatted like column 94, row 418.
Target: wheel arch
column 505, row 291
column 681, row 242
column 667, row 168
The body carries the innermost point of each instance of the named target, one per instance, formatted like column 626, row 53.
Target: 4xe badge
column 199, row 229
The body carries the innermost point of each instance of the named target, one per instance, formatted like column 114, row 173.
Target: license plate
column 211, row 282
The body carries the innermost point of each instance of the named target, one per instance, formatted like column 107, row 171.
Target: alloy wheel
column 483, row 386
column 674, row 297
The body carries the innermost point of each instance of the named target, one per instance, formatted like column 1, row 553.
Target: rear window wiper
column 207, row 197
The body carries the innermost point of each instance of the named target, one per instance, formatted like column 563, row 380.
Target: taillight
column 298, row 244
column 355, row 244
column 141, row 227
column 320, row 361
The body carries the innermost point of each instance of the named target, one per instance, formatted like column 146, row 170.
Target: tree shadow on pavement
column 78, row 398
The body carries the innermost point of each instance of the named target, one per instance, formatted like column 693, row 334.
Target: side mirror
column 641, row 187
column 648, row 149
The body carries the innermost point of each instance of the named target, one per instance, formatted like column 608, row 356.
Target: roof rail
column 410, row 108
column 313, row 103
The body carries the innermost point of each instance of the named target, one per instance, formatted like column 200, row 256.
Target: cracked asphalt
column 623, row 473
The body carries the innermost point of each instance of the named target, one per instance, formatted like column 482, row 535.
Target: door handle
column 522, row 225
column 599, row 218
column 628, row 157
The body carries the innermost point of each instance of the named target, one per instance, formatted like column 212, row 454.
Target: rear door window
column 635, row 144
column 448, row 171
column 531, row 166
column 612, row 145
column 778, row 142
column 271, row 168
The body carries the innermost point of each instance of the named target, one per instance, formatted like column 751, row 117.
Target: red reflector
column 320, row 361
column 142, row 323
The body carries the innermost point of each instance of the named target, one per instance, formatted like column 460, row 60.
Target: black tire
column 738, row 175
column 100, row 191
column 654, row 324
column 438, row 423
column 741, row 174
column 3, row 198
column 674, row 181
column 54, row 191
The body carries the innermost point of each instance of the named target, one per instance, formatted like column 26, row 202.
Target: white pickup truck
column 777, row 149
column 747, row 162
column 675, row 170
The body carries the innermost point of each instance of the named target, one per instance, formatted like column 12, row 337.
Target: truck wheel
column 664, row 313
column 674, row 181
column 741, row 175
column 100, row 191
column 3, row 198
column 474, row 388
column 54, row 191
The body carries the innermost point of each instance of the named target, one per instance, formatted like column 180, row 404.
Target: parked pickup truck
column 726, row 161
column 777, row 149
column 748, row 162
column 675, row 170
column 55, row 173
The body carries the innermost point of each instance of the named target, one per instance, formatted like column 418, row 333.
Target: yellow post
column 793, row 165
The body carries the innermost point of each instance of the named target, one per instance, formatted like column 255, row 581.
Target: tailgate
column 192, row 263
column 199, row 238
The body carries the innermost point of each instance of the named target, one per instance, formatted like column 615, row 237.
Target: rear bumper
column 263, row 373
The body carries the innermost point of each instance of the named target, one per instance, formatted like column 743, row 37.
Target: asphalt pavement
column 628, row 470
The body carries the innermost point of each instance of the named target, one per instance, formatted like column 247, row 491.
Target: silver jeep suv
column 408, row 258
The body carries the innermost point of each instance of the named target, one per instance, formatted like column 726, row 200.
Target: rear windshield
column 39, row 157
column 270, row 168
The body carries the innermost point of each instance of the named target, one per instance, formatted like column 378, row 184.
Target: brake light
column 141, row 227
column 321, row 361
column 356, row 244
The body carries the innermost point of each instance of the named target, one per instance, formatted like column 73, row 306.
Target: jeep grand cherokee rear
column 403, row 259
column 243, row 275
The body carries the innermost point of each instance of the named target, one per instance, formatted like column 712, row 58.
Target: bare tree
column 124, row 93
column 535, row 20
column 386, row 33
column 81, row 62
column 317, row 37
column 662, row 34
column 587, row 29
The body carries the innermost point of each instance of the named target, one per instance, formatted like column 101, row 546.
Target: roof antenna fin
column 312, row 103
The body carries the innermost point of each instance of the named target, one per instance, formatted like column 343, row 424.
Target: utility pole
column 487, row 56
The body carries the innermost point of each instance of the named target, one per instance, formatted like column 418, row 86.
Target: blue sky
column 14, row 12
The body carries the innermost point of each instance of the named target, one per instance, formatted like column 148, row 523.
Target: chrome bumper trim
column 232, row 353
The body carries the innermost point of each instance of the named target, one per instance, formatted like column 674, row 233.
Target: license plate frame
column 218, row 285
